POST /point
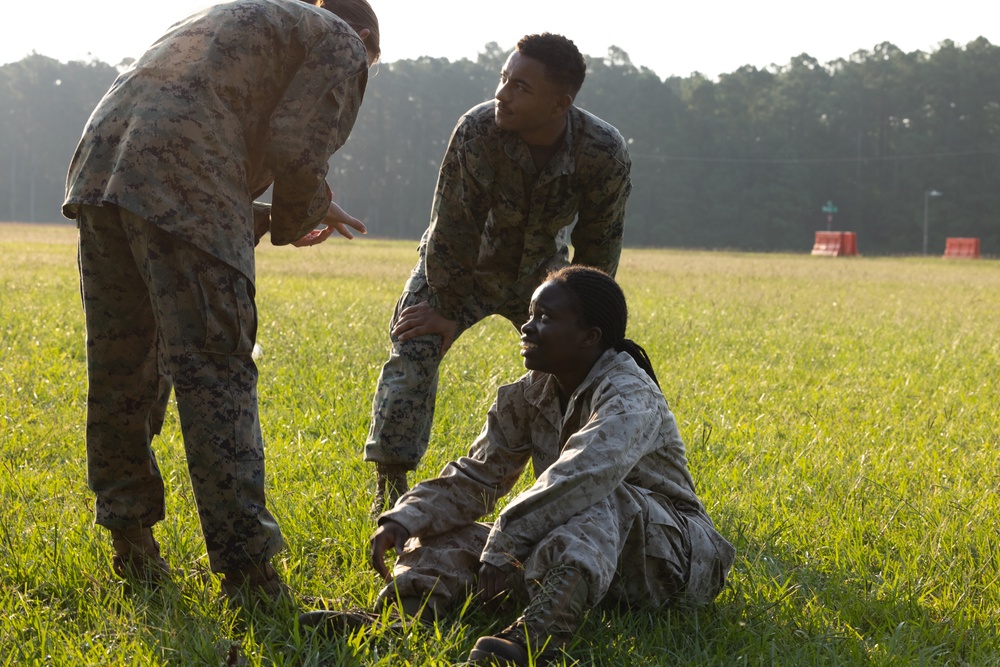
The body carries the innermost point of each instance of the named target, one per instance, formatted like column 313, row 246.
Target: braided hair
column 600, row 303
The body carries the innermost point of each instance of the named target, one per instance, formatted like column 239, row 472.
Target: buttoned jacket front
column 498, row 224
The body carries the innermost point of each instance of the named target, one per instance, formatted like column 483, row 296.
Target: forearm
column 452, row 253
column 311, row 122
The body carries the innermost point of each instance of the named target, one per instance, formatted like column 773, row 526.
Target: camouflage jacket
column 497, row 221
column 233, row 99
column 616, row 429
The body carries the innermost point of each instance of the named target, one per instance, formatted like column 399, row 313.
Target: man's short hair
column 564, row 64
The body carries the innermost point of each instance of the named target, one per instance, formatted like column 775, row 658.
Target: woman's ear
column 593, row 337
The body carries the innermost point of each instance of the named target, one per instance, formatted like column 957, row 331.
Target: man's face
column 526, row 101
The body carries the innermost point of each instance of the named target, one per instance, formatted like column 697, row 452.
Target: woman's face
column 553, row 339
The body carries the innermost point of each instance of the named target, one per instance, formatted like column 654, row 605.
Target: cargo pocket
column 667, row 551
column 229, row 311
column 711, row 558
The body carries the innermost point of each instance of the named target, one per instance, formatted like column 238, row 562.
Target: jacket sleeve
column 458, row 217
column 597, row 236
column 468, row 489
column 594, row 461
column 313, row 120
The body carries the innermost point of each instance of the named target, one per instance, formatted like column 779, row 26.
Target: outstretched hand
column 336, row 220
column 421, row 320
column 389, row 535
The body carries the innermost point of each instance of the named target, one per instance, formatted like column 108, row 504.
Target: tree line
column 746, row 161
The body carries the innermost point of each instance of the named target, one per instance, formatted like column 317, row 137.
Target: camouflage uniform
column 233, row 99
column 613, row 498
column 498, row 226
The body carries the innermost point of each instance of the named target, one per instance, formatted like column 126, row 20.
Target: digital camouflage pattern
column 163, row 313
column 237, row 97
column 403, row 406
column 498, row 227
column 234, row 98
column 612, row 497
column 497, row 220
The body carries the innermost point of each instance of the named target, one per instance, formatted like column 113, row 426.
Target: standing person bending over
column 517, row 173
column 612, row 514
column 235, row 98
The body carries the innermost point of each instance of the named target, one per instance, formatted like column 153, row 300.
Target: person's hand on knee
column 422, row 320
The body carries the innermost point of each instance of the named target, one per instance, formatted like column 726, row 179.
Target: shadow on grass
column 780, row 610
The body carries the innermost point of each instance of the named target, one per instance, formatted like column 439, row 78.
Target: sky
column 670, row 38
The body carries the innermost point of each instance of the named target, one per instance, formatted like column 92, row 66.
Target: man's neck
column 540, row 155
column 544, row 144
column 548, row 136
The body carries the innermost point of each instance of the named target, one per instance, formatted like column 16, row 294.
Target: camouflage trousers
column 403, row 405
column 633, row 548
column 163, row 314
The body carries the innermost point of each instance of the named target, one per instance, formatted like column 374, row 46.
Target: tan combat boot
column 254, row 583
column 546, row 625
column 390, row 484
column 137, row 556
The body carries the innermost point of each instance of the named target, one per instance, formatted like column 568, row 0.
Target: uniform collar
column 562, row 163
column 543, row 392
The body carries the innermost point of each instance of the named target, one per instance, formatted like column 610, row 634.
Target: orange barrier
column 961, row 248
column 836, row 244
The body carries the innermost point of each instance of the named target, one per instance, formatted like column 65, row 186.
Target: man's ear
column 363, row 33
column 563, row 103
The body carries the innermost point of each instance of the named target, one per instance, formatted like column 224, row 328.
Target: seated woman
column 612, row 515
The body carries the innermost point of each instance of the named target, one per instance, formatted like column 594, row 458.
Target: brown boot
column 546, row 625
column 137, row 556
column 254, row 583
column 390, row 484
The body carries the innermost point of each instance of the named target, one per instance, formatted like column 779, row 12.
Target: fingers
column 422, row 320
column 379, row 564
column 336, row 220
column 342, row 220
column 411, row 318
column 389, row 535
column 315, row 237
column 321, row 235
column 400, row 544
column 416, row 310
column 377, row 555
column 357, row 225
column 312, row 238
column 405, row 330
column 446, row 341
column 344, row 228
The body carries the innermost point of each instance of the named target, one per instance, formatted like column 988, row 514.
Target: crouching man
column 612, row 515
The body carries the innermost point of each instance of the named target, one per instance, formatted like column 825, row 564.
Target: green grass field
column 841, row 417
